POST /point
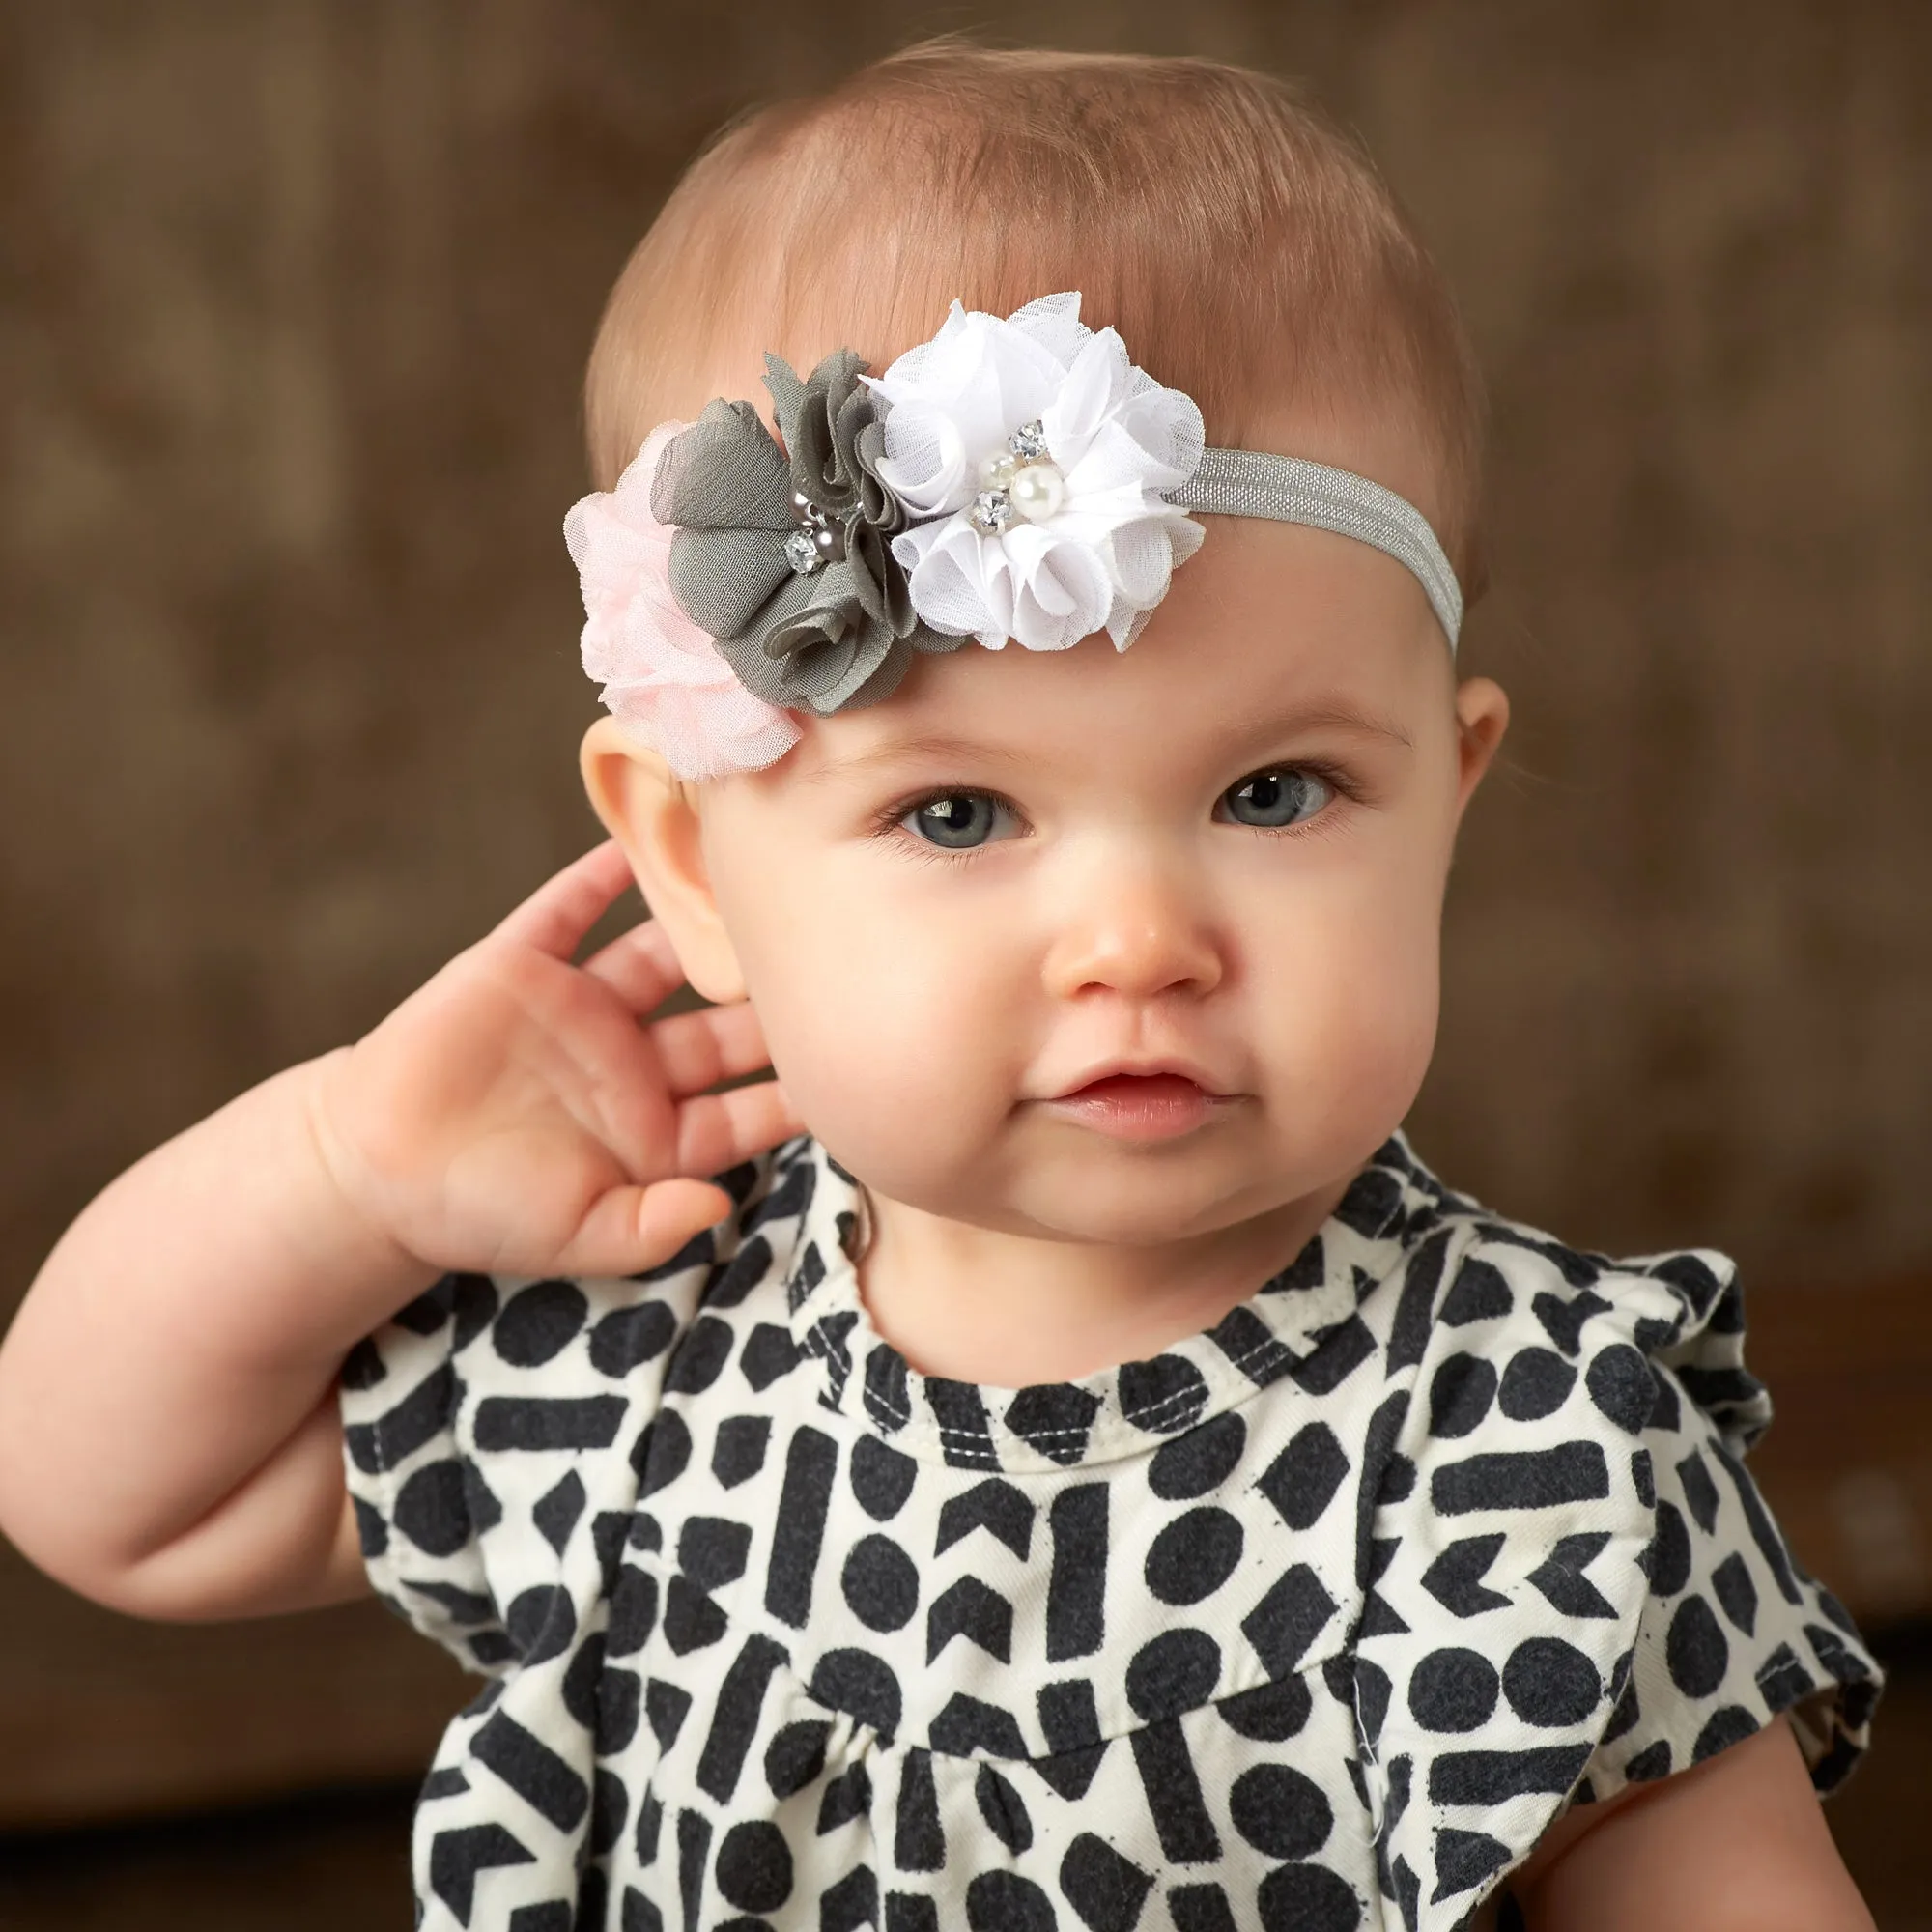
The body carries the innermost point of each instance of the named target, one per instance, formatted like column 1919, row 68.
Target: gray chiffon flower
column 840, row 633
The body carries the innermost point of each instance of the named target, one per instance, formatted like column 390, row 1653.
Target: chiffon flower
column 664, row 677
column 781, row 555
column 1030, row 455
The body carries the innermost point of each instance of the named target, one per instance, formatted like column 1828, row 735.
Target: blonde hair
column 1245, row 249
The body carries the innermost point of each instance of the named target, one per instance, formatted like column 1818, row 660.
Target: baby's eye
column 960, row 820
column 1274, row 799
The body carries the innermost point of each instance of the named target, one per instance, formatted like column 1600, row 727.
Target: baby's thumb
column 631, row 1229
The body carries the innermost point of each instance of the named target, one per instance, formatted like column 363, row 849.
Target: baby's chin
column 1114, row 1196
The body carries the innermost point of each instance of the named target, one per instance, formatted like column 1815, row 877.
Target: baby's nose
column 1136, row 930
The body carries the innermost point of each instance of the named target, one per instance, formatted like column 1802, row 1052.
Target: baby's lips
column 1168, row 1067
column 1152, row 1106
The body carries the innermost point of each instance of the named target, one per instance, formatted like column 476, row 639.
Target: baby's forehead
column 1264, row 651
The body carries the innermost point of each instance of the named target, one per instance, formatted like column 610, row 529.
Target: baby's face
column 1119, row 946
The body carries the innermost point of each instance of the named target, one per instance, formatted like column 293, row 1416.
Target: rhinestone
column 1029, row 439
column 802, row 552
column 991, row 512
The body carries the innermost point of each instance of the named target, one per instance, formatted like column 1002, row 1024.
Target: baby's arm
column 1737, row 1844
column 168, row 1441
column 169, row 1438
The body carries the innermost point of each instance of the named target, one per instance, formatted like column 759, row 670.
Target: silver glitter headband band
column 1291, row 489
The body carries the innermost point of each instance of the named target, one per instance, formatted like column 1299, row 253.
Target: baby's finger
column 557, row 916
column 719, row 1130
column 639, row 966
column 696, row 1050
column 631, row 1229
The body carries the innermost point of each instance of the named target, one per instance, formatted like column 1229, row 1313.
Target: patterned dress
column 1314, row 1621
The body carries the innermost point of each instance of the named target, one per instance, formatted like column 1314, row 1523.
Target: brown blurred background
column 295, row 296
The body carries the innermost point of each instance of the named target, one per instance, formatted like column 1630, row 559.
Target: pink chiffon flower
column 663, row 679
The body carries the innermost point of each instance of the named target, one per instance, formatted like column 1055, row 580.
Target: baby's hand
column 516, row 1115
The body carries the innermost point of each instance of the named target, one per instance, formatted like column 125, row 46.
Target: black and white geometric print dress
column 1312, row 1622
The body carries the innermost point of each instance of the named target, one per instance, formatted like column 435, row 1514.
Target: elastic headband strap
column 1291, row 489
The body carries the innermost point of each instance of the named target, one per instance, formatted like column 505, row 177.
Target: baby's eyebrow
column 1327, row 715
column 900, row 751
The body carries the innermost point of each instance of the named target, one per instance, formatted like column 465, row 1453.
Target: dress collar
column 1300, row 1324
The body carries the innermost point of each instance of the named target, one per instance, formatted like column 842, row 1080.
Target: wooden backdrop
column 294, row 295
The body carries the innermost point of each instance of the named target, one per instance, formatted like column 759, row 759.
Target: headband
column 1013, row 479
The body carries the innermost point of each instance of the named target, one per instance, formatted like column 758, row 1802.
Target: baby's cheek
column 1385, row 1039
column 1352, row 1025
column 886, row 1065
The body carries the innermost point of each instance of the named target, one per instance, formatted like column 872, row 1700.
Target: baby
column 1073, row 1466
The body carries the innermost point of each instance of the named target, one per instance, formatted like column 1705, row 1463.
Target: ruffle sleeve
column 1577, row 1584
column 495, row 1414
column 1732, row 1632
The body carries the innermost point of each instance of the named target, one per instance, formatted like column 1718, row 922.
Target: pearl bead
column 997, row 471
column 1037, row 491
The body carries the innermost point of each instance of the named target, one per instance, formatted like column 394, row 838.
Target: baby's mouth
column 1139, row 1107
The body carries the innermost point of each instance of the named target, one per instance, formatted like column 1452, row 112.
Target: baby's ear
column 1482, row 717
column 654, row 818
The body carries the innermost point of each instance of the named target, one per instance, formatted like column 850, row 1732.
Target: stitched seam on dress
column 1148, row 1419
column 884, row 1410
column 902, row 1418
column 1154, row 1413
column 1182, row 1397
column 388, row 1468
column 822, row 1348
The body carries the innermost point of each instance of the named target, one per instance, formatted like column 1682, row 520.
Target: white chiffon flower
column 1035, row 453
column 664, row 680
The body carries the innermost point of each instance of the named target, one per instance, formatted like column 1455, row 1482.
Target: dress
column 1314, row 1621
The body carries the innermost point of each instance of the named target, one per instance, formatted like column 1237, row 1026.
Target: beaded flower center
column 1021, row 480
column 816, row 542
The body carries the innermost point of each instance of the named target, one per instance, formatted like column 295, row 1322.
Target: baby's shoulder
column 1507, row 1315
column 1575, row 1585
column 519, row 1334
column 493, row 1411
